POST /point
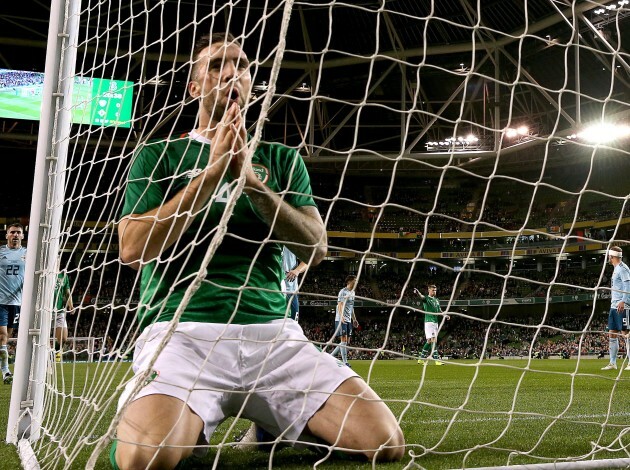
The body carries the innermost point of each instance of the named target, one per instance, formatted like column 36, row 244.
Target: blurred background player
column 12, row 261
column 292, row 269
column 63, row 304
column 345, row 318
column 431, row 305
column 619, row 304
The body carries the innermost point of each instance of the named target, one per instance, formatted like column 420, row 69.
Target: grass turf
column 456, row 415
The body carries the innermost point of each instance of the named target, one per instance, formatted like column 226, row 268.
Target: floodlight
column 604, row 132
column 304, row 88
column 261, row 86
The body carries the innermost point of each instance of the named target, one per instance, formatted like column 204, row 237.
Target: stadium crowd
column 465, row 337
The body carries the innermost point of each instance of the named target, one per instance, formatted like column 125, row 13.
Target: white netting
column 446, row 142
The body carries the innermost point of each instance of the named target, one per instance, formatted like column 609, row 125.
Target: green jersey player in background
column 63, row 305
column 176, row 194
column 431, row 305
column 12, row 261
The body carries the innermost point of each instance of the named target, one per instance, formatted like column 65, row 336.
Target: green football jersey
column 242, row 282
column 62, row 285
column 432, row 305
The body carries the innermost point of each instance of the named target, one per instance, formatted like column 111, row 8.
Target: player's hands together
column 225, row 143
column 237, row 136
column 620, row 306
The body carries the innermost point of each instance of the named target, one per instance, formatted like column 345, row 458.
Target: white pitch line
column 528, row 418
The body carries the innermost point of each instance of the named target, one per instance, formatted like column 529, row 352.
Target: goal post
column 27, row 394
column 443, row 148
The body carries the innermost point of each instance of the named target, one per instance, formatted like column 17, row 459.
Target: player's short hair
column 615, row 251
column 431, row 286
column 16, row 224
column 350, row 277
column 206, row 41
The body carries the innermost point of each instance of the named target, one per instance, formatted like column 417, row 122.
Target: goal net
column 480, row 147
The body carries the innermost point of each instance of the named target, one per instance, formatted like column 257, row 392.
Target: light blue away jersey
column 12, row 263
column 620, row 285
column 346, row 295
column 289, row 262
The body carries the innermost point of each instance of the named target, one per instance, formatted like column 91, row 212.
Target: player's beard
column 214, row 108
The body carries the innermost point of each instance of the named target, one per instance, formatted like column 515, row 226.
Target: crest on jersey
column 262, row 172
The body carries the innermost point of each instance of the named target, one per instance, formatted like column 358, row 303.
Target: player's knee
column 132, row 457
column 388, row 443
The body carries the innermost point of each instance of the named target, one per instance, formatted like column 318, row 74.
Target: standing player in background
column 63, row 304
column 175, row 196
column 431, row 305
column 619, row 305
column 345, row 318
column 292, row 269
column 12, row 261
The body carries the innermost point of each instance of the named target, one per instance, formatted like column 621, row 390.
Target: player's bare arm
column 143, row 237
column 294, row 273
column 340, row 307
column 303, row 225
column 418, row 293
column 69, row 304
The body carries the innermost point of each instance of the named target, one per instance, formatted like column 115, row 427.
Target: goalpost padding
column 78, row 410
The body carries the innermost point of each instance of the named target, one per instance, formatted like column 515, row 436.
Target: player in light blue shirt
column 12, row 262
column 292, row 269
column 345, row 318
column 619, row 306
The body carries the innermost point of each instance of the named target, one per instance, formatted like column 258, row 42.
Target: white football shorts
column 431, row 330
column 270, row 371
column 60, row 319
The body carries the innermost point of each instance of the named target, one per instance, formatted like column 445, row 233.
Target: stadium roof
column 427, row 70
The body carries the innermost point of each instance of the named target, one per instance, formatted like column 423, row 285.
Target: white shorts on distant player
column 431, row 330
column 60, row 319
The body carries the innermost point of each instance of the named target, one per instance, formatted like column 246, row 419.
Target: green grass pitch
column 17, row 107
column 21, row 107
column 462, row 414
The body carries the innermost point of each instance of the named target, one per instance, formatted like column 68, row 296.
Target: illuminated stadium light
column 303, row 88
column 520, row 131
column 468, row 142
column 261, row 86
column 603, row 133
